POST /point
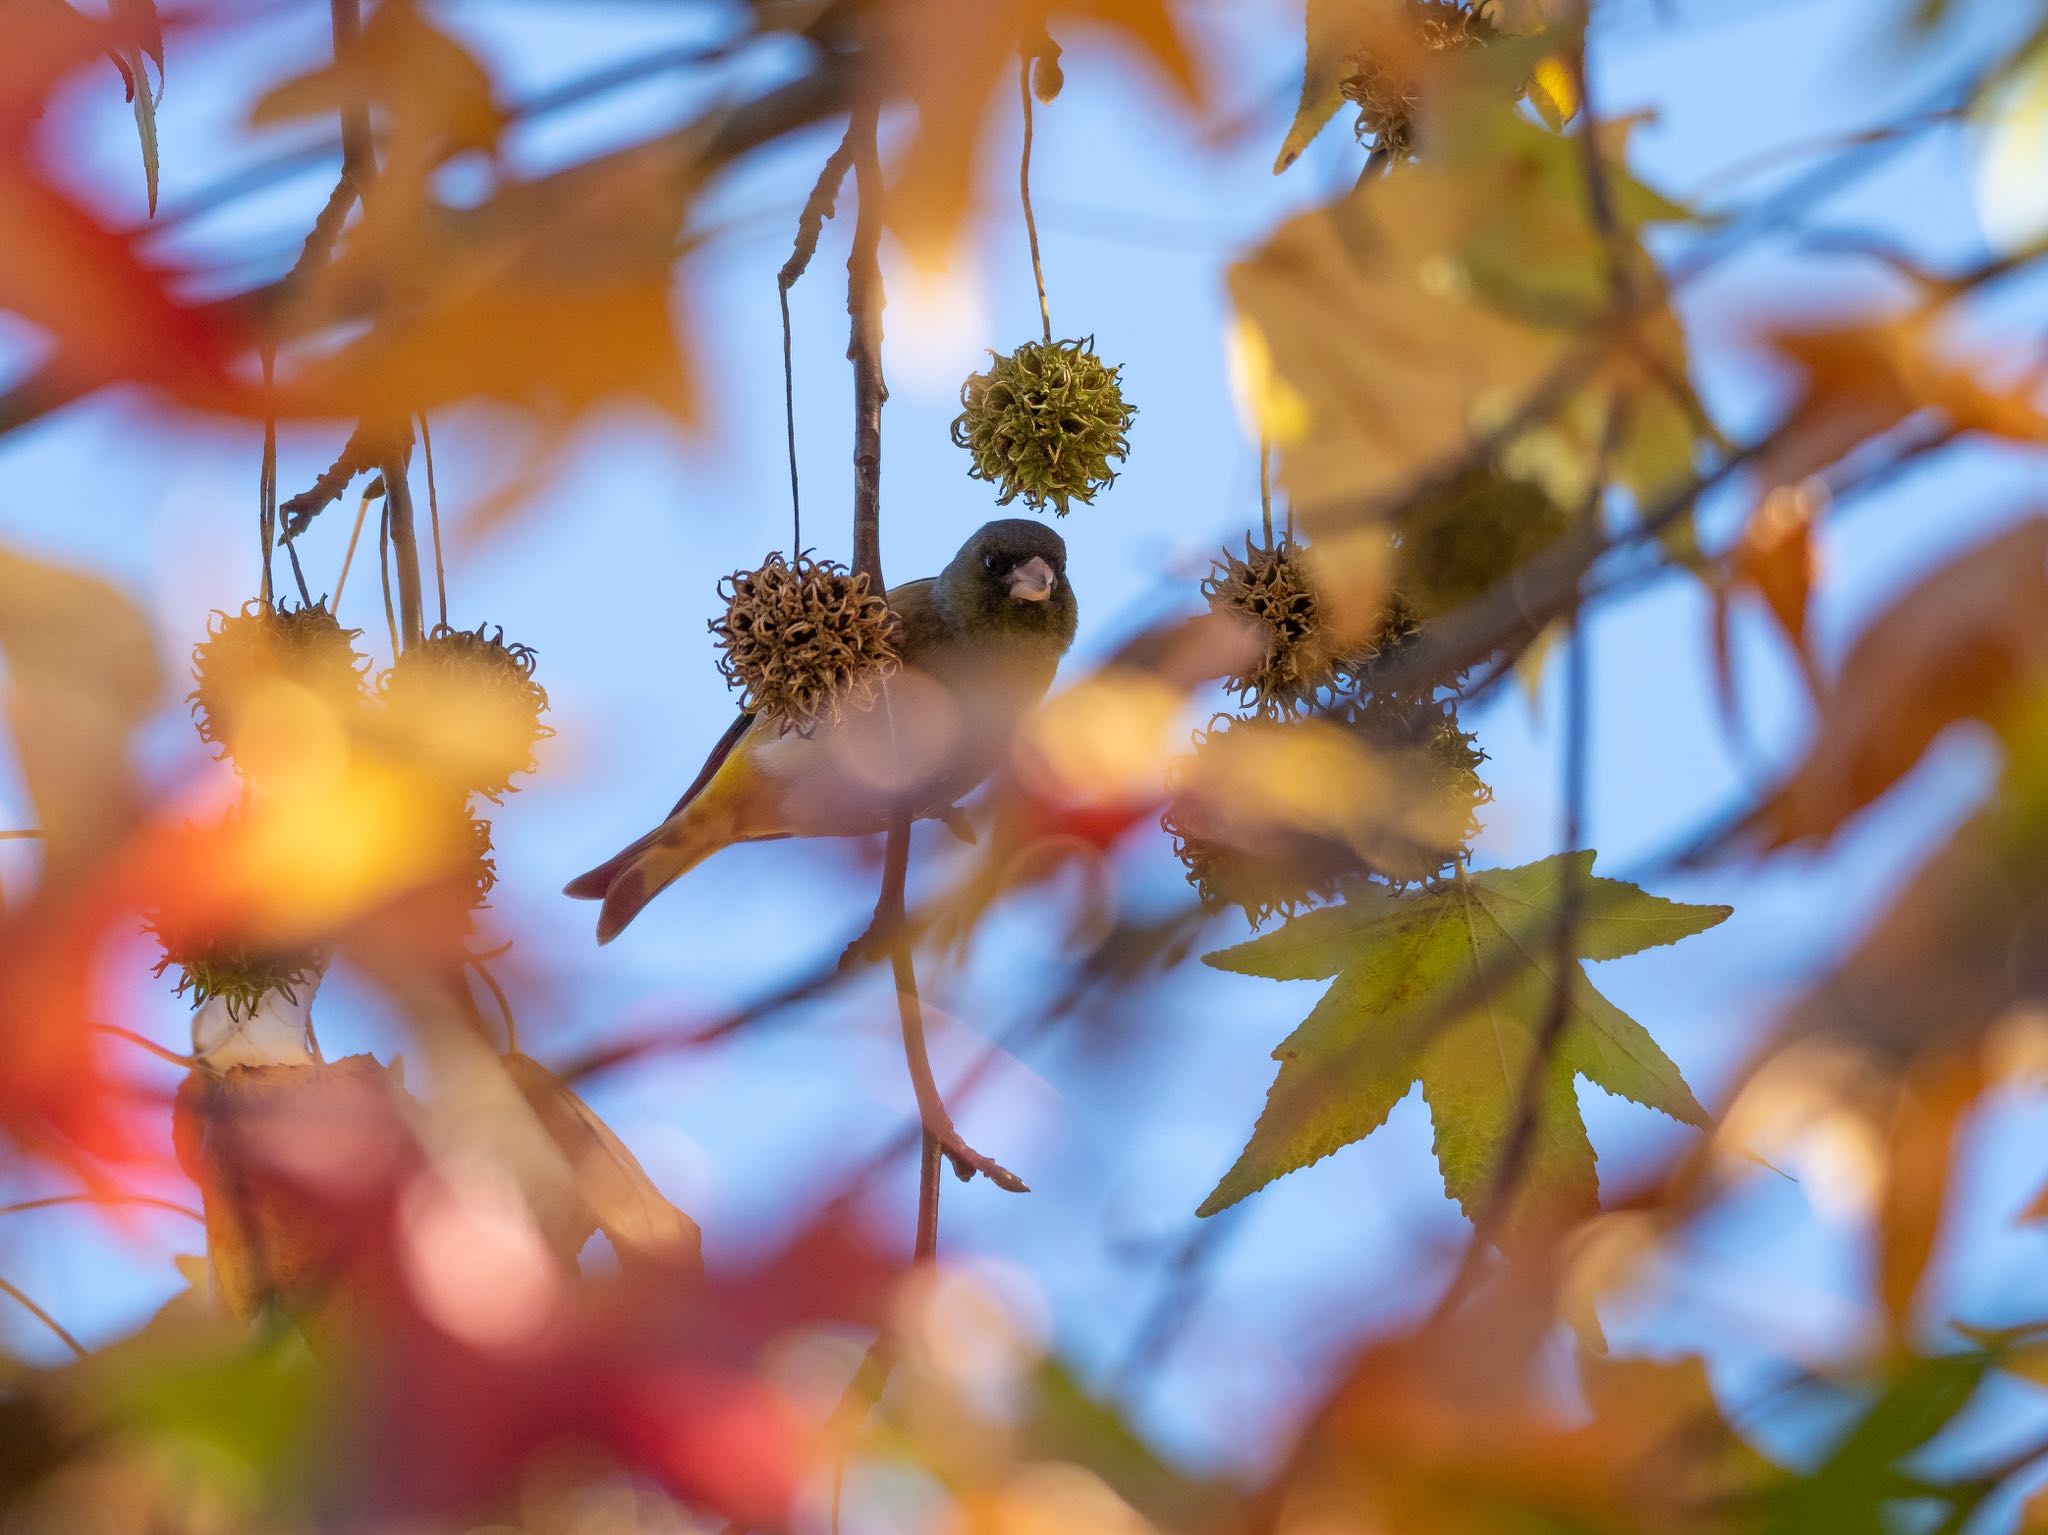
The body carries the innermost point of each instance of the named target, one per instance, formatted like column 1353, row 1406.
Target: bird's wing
column 733, row 734
column 918, row 611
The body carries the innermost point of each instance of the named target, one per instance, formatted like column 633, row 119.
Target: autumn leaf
column 952, row 62
column 82, row 677
column 1968, row 642
column 616, row 1195
column 1394, row 325
column 139, row 41
column 1451, row 988
column 1864, row 374
column 1775, row 561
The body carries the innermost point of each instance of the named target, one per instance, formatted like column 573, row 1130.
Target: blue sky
column 609, row 573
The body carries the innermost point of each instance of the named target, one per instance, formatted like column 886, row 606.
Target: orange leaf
column 1862, row 378
column 1969, row 642
column 954, row 61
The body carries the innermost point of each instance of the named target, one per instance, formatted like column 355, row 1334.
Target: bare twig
column 144, row 1042
column 1024, row 194
column 52, row 1201
column 356, row 532
column 864, row 345
column 14, row 1293
column 810, row 225
column 434, row 518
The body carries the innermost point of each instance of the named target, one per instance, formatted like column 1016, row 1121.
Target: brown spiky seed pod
column 804, row 640
column 1233, row 860
column 468, row 698
column 239, row 972
column 1435, row 766
column 1386, row 89
column 1468, row 537
column 1273, row 588
column 243, row 652
column 1044, row 423
column 479, row 868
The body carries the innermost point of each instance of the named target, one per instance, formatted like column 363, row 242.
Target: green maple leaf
column 1452, row 988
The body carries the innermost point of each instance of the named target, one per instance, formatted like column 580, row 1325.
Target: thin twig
column 434, row 517
column 1024, row 195
column 144, row 1042
column 810, row 224
column 404, row 547
column 356, row 532
column 1266, row 487
column 357, row 456
column 384, row 569
column 44, row 1317
column 266, row 479
column 864, row 302
column 52, row 1200
column 476, row 963
column 931, row 1107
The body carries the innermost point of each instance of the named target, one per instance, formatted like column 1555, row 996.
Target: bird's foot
column 954, row 819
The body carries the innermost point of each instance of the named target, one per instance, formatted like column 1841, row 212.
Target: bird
column 979, row 643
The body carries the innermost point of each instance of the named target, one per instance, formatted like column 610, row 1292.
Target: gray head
column 1010, row 578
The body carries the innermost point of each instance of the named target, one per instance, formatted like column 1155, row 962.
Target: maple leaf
column 1451, row 988
column 1969, row 642
column 1384, row 330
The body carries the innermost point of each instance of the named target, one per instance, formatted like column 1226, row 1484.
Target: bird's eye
column 989, row 562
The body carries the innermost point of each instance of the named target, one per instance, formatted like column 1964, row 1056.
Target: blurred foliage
column 439, row 1292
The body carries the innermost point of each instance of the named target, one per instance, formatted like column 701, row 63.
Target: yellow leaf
column 1554, row 90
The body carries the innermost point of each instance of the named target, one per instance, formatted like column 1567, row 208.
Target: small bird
column 980, row 643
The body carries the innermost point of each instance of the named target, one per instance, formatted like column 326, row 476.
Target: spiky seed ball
column 1468, row 537
column 1044, row 422
column 1273, row 588
column 804, row 640
column 237, row 971
column 479, row 867
column 245, row 651
column 1386, row 90
column 1248, row 862
column 1434, row 766
column 467, row 703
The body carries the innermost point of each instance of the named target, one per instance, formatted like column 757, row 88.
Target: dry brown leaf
column 1862, row 377
column 1775, row 561
column 617, row 1196
column 955, row 63
column 82, row 675
column 1969, row 642
column 284, row 1157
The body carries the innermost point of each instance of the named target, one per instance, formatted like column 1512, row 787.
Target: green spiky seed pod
column 245, row 651
column 1386, row 90
column 1044, row 422
column 469, row 699
column 1470, row 536
column 804, row 641
column 240, row 973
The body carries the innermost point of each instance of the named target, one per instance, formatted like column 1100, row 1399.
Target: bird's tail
column 638, row 873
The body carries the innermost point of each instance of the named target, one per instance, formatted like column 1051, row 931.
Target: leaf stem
column 1024, row 195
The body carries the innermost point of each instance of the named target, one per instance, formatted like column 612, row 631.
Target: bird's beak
column 1033, row 581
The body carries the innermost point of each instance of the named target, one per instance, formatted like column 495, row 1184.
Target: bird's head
column 1011, row 578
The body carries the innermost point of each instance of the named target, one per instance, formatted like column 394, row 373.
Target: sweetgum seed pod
column 804, row 640
column 1045, row 422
